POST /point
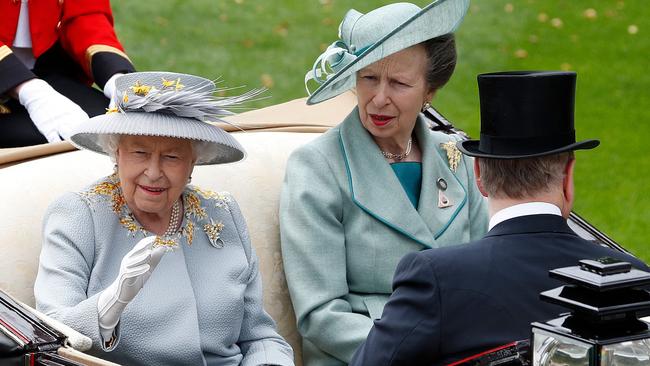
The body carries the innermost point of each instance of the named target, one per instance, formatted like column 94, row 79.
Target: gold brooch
column 213, row 231
column 453, row 154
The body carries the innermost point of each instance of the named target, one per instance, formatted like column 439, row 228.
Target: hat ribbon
column 335, row 57
column 520, row 145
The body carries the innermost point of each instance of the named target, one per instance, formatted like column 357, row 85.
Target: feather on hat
column 170, row 105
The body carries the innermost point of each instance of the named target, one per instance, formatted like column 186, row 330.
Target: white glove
column 135, row 270
column 52, row 113
column 109, row 89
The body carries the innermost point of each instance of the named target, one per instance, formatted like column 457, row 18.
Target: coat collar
column 542, row 223
column 376, row 190
column 196, row 201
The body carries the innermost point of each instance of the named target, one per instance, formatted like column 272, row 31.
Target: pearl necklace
column 398, row 157
column 174, row 219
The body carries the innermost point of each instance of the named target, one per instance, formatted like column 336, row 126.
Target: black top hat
column 526, row 114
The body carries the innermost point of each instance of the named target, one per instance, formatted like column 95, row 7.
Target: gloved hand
column 52, row 113
column 109, row 89
column 135, row 269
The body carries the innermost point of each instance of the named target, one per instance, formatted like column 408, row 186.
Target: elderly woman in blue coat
column 379, row 185
column 156, row 271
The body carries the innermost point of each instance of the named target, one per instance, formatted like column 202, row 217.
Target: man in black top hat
column 451, row 303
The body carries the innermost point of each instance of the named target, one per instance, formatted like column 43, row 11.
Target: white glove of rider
column 109, row 89
column 136, row 268
column 52, row 113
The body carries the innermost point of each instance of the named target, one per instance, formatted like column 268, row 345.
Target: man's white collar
column 524, row 209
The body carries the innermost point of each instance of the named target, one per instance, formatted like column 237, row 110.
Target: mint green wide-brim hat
column 167, row 104
column 367, row 38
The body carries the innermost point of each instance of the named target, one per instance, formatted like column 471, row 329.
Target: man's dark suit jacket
column 451, row 303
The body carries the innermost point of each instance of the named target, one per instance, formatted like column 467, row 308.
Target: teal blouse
column 409, row 174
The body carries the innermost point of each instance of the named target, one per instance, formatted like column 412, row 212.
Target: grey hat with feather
column 170, row 105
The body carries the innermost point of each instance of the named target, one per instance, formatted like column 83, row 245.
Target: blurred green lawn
column 272, row 43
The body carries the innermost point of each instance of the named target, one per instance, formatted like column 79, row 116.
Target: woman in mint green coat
column 381, row 184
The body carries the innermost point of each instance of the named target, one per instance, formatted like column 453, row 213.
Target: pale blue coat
column 202, row 304
column 346, row 221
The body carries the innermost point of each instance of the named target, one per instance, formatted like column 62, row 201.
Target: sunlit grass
column 272, row 43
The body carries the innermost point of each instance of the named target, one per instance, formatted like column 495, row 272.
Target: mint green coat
column 346, row 221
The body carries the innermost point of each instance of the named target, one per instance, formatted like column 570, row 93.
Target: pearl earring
column 426, row 106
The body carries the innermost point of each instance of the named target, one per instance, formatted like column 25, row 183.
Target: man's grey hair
column 523, row 178
column 110, row 142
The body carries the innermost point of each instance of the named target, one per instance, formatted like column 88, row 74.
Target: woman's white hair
column 110, row 142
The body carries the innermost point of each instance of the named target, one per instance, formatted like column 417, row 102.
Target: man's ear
column 568, row 187
column 477, row 176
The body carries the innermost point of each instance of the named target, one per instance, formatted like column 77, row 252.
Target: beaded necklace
column 174, row 219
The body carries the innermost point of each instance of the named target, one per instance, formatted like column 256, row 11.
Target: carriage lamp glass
column 603, row 327
column 555, row 349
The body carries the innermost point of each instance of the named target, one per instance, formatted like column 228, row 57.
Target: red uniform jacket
column 84, row 28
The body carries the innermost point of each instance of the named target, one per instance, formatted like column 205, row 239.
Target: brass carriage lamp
column 603, row 327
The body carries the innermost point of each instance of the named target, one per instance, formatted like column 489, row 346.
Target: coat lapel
column 376, row 190
column 435, row 165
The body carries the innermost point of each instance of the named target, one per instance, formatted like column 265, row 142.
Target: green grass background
column 273, row 42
